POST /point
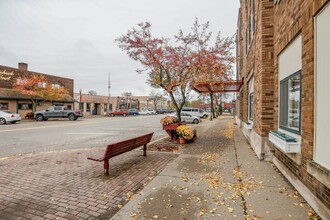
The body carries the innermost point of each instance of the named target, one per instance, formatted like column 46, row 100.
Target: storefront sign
column 4, row 75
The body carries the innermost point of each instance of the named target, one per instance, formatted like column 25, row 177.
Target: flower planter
column 284, row 142
column 182, row 140
column 171, row 130
column 171, row 126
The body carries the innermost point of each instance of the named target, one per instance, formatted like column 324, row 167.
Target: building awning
column 217, row 87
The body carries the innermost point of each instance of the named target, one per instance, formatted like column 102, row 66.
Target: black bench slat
column 118, row 148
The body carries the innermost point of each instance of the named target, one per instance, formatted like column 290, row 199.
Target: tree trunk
column 34, row 105
column 155, row 105
column 177, row 108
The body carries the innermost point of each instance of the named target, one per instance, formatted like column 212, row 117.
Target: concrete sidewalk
column 217, row 177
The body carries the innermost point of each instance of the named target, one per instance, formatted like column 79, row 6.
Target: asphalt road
column 62, row 134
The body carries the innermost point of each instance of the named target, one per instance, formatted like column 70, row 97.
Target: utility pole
column 80, row 100
column 108, row 95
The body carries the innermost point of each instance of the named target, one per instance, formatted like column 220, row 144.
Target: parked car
column 122, row 112
column 153, row 112
column 161, row 111
column 133, row 112
column 6, row 116
column 188, row 118
column 57, row 112
column 195, row 112
column 146, row 112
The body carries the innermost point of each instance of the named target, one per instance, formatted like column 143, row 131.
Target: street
column 54, row 135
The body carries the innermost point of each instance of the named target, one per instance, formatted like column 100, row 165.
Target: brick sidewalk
column 65, row 185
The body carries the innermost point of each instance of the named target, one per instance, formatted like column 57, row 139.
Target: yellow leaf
column 133, row 215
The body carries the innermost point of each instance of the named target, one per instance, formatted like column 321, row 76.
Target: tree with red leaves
column 37, row 87
column 212, row 63
column 174, row 67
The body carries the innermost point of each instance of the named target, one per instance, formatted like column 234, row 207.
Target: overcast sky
column 75, row 38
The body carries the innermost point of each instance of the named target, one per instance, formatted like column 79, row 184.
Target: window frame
column 88, row 107
column 30, row 106
column 251, row 107
column 286, row 79
column 4, row 104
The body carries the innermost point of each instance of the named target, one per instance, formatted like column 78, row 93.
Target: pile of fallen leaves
column 229, row 132
column 209, row 158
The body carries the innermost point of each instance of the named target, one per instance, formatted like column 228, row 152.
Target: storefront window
column 24, row 106
column 3, row 106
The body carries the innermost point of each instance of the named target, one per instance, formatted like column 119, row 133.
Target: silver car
column 188, row 118
column 6, row 116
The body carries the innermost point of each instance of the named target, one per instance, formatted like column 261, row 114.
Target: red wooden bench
column 118, row 148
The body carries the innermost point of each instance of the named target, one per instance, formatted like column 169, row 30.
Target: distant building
column 98, row 104
column 14, row 101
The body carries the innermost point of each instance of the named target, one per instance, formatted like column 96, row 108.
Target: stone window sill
column 248, row 125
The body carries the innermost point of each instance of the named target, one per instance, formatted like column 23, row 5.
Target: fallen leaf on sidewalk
column 129, row 195
column 133, row 215
column 202, row 212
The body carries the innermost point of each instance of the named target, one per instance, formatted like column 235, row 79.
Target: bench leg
column 145, row 150
column 106, row 167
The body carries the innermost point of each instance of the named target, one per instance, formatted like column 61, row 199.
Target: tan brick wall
column 66, row 82
column 292, row 18
column 276, row 26
column 258, row 59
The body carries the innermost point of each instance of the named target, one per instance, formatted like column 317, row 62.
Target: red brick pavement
column 65, row 185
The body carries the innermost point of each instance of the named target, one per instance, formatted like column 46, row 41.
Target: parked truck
column 57, row 112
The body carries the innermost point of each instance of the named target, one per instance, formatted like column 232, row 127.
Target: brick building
column 100, row 103
column 282, row 58
column 12, row 100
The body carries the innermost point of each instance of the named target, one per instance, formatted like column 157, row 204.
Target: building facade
column 13, row 101
column 98, row 104
column 282, row 58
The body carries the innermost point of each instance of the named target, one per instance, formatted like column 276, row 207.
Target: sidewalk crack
column 240, row 181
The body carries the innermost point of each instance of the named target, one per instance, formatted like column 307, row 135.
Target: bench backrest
column 127, row 145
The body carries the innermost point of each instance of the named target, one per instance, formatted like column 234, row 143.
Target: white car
column 148, row 112
column 144, row 112
column 153, row 112
column 11, row 117
column 188, row 118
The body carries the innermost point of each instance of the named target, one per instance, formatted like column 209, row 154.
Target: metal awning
column 217, row 87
